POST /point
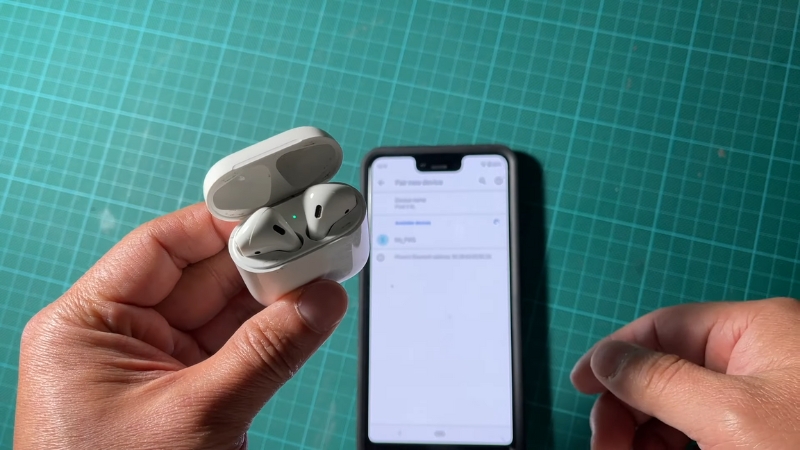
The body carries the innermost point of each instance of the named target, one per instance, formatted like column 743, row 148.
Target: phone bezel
column 363, row 442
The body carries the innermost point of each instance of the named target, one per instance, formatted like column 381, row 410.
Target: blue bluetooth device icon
column 383, row 239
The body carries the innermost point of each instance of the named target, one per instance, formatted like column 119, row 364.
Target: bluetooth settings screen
column 440, row 313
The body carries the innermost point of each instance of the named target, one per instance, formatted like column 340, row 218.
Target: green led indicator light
column 294, row 216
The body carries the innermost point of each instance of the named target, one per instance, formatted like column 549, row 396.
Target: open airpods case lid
column 270, row 171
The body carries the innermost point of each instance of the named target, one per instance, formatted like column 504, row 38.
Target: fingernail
column 608, row 358
column 322, row 305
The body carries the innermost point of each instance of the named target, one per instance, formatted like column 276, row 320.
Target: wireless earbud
column 295, row 225
column 266, row 231
column 324, row 205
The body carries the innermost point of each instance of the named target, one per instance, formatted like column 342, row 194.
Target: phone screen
column 439, row 327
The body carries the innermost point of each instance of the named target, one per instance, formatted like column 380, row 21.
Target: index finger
column 703, row 333
column 147, row 263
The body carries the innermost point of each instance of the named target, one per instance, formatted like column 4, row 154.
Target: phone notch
column 439, row 162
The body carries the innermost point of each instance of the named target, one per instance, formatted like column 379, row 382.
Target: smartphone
column 439, row 336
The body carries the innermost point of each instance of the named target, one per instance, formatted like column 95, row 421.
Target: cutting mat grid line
column 667, row 135
column 671, row 39
column 772, row 152
column 620, row 126
column 566, row 356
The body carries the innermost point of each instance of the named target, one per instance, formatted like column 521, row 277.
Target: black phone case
column 516, row 341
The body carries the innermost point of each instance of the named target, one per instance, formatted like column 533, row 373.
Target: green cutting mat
column 667, row 132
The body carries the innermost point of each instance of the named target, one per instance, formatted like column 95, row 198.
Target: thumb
column 265, row 352
column 679, row 393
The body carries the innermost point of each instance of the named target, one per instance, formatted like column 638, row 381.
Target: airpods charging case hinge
column 275, row 172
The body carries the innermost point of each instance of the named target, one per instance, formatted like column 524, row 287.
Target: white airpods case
column 275, row 173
